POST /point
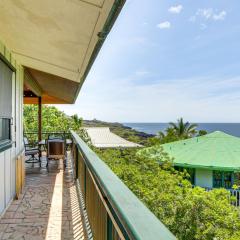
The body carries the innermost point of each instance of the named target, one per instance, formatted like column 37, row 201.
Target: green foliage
column 202, row 132
column 83, row 134
column 169, row 136
column 176, row 131
column 183, row 129
column 53, row 120
column 190, row 213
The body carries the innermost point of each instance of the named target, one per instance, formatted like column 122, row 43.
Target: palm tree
column 183, row 129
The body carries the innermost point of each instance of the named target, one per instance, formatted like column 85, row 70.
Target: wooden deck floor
column 47, row 209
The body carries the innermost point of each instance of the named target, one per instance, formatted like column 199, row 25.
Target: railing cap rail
column 134, row 215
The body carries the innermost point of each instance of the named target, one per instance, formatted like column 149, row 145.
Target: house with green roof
column 212, row 160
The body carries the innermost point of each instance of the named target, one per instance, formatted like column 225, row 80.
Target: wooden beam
column 46, row 99
column 39, row 119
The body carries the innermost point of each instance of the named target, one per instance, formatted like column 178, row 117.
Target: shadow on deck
column 47, row 209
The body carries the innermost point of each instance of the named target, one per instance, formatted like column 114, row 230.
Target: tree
column 202, row 132
column 183, row 129
column 53, row 120
column 190, row 213
column 174, row 132
column 77, row 122
column 169, row 136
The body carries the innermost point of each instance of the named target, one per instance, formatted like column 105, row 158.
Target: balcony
column 84, row 201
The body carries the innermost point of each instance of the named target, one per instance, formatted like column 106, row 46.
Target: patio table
column 43, row 144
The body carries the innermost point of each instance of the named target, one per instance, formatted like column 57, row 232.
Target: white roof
column 102, row 137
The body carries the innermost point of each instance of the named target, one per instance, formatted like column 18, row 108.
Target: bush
column 190, row 213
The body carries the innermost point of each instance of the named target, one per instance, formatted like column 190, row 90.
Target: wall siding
column 2, row 181
column 8, row 158
column 7, row 165
column 204, row 178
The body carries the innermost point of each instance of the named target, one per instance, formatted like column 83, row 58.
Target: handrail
column 47, row 132
column 33, row 135
column 137, row 220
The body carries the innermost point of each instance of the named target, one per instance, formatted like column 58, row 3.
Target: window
column 217, row 179
column 5, row 129
column 222, row 179
column 236, row 179
column 5, row 104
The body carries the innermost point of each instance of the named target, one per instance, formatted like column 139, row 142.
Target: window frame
column 7, row 143
column 223, row 182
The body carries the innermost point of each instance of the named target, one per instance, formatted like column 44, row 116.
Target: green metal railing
column 33, row 135
column 114, row 212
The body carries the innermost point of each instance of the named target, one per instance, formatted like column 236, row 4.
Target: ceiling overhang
column 52, row 89
column 57, row 40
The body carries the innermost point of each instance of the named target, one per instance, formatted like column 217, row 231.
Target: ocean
column 154, row 128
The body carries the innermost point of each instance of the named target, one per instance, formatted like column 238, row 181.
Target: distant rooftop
column 217, row 150
column 102, row 137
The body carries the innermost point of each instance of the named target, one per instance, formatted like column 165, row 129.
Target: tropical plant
column 168, row 136
column 175, row 132
column 183, row 129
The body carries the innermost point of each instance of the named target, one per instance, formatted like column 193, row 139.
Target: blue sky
column 164, row 60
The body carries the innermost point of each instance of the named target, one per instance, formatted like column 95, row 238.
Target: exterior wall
column 8, row 158
column 204, row 178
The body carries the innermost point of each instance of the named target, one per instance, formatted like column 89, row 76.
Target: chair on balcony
column 56, row 150
column 32, row 152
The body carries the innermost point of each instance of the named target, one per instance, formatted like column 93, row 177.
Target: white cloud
column 164, row 25
column 209, row 14
column 220, row 16
column 205, row 13
column 175, row 9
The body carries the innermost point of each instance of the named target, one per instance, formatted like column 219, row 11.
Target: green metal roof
column 217, row 151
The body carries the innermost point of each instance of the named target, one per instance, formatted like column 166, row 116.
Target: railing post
column 76, row 161
column 85, row 181
column 39, row 119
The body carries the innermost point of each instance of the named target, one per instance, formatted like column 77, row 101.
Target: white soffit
column 53, row 36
